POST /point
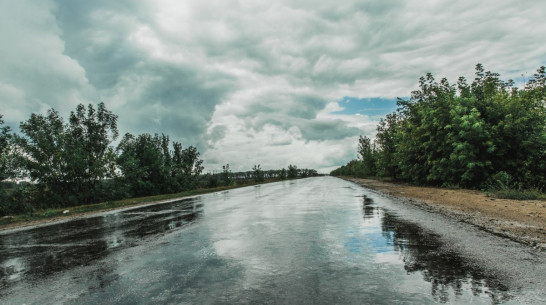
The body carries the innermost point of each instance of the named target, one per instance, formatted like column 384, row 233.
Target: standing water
column 310, row 241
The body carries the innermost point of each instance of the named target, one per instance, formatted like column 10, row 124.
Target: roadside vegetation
column 59, row 212
column 488, row 135
column 54, row 164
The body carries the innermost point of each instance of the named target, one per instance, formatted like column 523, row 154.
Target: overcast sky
column 254, row 82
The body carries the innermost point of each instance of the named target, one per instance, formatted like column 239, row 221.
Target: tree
column 44, row 159
column 192, row 167
column 4, row 150
column 292, row 171
column 368, row 157
column 385, row 146
column 89, row 154
column 440, row 138
column 226, row 175
column 68, row 162
column 6, row 169
column 257, row 173
column 142, row 164
column 282, row 174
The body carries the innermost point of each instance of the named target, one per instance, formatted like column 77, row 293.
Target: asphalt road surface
column 311, row 241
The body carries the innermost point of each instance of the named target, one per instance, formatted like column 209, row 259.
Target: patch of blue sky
column 522, row 79
column 372, row 106
column 375, row 241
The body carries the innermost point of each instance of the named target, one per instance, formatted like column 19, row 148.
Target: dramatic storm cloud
column 254, row 82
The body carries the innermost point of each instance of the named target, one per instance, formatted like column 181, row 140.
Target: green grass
column 517, row 194
column 108, row 205
column 502, row 185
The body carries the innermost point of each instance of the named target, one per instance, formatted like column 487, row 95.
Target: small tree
column 226, row 175
column 191, row 167
column 282, row 175
column 292, row 171
column 142, row 165
column 367, row 154
column 44, row 159
column 89, row 135
column 257, row 173
column 4, row 149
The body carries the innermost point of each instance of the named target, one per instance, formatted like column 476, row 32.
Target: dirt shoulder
column 520, row 220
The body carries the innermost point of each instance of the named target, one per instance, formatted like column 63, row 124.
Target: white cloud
column 252, row 81
column 35, row 74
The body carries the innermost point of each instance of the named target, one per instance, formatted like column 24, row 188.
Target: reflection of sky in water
column 299, row 242
column 51, row 249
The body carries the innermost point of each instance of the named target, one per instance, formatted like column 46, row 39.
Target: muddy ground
column 520, row 220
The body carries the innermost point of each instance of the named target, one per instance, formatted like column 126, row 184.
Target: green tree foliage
column 292, row 171
column 191, row 166
column 366, row 150
column 227, row 178
column 462, row 134
column 142, row 162
column 148, row 167
column 257, row 173
column 90, row 133
column 44, row 161
column 67, row 162
column 73, row 162
column 5, row 168
column 385, row 143
column 282, row 174
column 4, row 149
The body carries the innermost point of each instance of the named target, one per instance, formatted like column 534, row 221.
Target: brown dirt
column 520, row 220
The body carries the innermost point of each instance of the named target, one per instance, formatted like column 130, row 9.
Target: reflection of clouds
column 230, row 248
column 113, row 241
column 42, row 252
column 12, row 268
column 116, row 237
column 430, row 267
column 242, row 228
column 388, row 258
column 451, row 275
column 276, row 248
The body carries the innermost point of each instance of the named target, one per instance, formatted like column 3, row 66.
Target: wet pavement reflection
column 32, row 255
column 423, row 252
column 311, row 241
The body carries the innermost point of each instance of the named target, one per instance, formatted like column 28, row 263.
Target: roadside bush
column 517, row 194
column 16, row 202
column 502, row 185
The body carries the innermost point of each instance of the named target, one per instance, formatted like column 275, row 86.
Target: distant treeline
column 226, row 177
column 70, row 163
column 473, row 136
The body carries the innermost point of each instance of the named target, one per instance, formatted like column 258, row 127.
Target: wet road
column 311, row 241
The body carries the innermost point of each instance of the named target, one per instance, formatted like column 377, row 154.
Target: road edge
column 483, row 222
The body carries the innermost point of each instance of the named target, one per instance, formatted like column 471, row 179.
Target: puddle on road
column 34, row 254
column 423, row 252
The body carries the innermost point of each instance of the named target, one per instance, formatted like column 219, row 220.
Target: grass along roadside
column 57, row 214
column 517, row 194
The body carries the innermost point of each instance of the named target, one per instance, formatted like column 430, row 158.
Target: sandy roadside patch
column 520, row 220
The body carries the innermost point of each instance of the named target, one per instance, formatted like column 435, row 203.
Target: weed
column 502, row 185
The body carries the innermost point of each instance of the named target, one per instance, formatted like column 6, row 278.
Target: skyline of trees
column 461, row 134
column 66, row 163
